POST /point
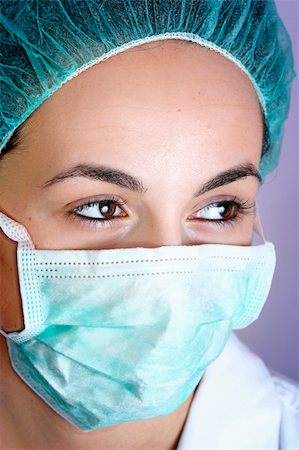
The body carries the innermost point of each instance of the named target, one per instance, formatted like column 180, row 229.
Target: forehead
column 162, row 98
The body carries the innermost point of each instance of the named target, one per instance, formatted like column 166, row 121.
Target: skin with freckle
column 173, row 116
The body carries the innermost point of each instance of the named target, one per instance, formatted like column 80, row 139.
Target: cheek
column 11, row 317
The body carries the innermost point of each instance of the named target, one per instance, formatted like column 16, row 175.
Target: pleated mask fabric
column 118, row 335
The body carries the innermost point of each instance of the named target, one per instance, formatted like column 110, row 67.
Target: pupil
column 107, row 209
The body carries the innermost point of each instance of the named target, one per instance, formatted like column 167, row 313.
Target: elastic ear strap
column 257, row 225
column 15, row 231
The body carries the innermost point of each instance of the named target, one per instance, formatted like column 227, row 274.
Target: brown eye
column 229, row 210
column 224, row 212
column 221, row 211
column 101, row 210
column 107, row 209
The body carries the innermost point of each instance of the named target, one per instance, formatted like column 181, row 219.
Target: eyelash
column 94, row 221
column 243, row 208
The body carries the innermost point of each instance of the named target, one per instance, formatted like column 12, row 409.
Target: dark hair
column 14, row 141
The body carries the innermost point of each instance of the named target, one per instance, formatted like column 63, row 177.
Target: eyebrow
column 229, row 176
column 122, row 179
column 100, row 173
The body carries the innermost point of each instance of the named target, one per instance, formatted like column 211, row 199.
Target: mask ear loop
column 17, row 232
column 257, row 225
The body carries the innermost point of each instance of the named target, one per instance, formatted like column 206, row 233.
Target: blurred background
column 275, row 335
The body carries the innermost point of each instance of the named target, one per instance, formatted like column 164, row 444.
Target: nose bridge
column 161, row 237
column 161, row 220
column 164, row 230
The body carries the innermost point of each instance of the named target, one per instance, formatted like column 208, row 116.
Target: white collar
column 235, row 406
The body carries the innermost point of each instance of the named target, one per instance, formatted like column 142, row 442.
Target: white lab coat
column 241, row 405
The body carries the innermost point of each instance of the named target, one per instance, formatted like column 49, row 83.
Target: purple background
column 274, row 336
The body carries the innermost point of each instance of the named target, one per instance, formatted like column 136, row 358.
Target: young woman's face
column 123, row 154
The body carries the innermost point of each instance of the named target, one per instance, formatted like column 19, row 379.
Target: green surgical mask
column 119, row 335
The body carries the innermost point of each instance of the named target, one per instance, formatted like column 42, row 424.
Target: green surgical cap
column 45, row 43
